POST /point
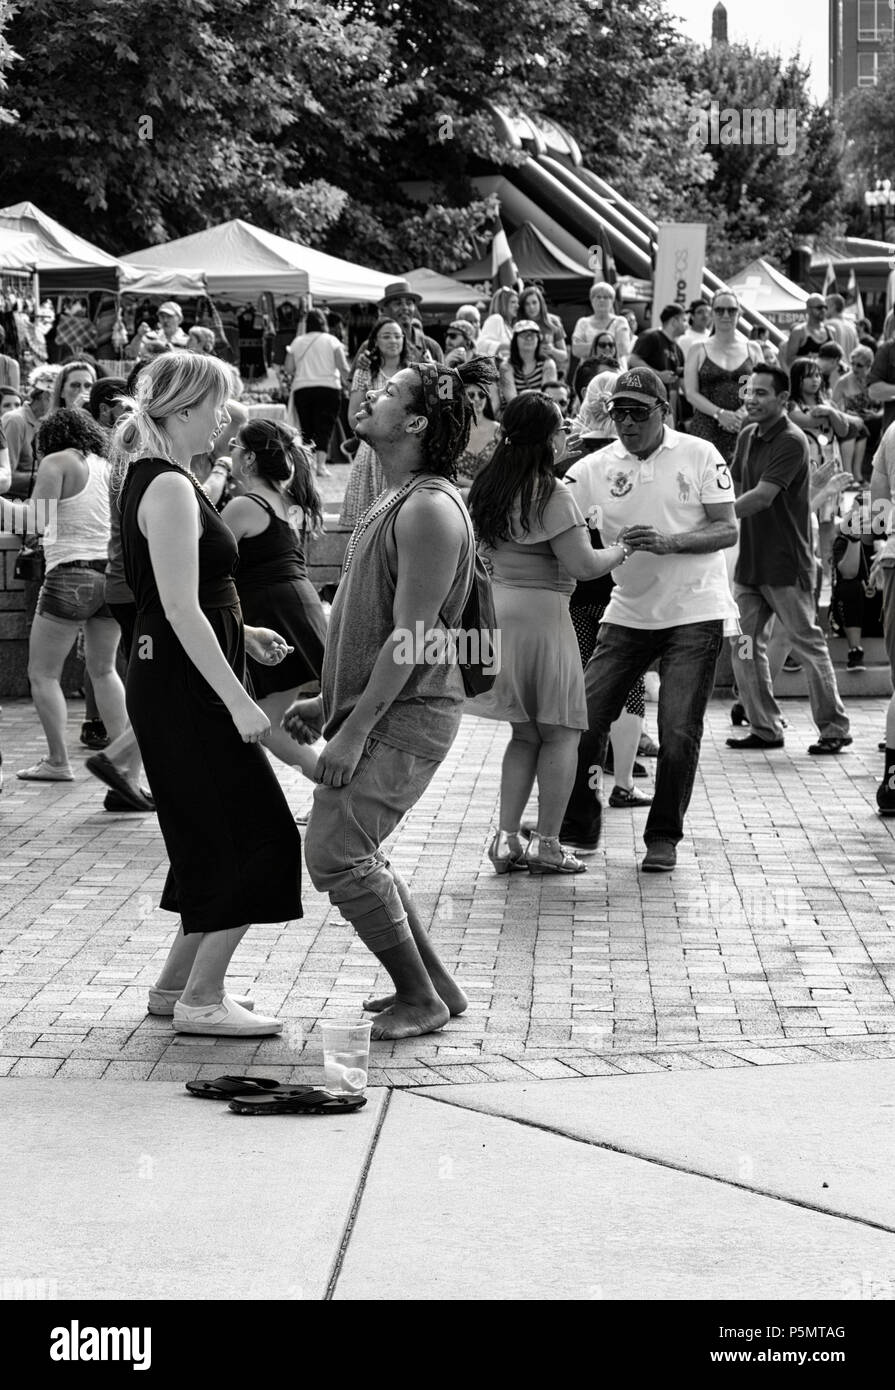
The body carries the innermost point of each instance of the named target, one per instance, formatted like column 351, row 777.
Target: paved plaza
column 772, row 943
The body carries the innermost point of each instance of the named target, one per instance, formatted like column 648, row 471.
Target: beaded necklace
column 373, row 513
column 190, row 474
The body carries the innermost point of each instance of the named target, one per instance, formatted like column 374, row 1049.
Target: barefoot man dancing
column 389, row 718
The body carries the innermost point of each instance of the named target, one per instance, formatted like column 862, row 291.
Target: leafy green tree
column 141, row 120
column 7, row 58
column 868, row 120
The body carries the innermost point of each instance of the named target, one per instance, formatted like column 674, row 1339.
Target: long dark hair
column 373, row 350
column 439, row 394
column 522, row 468
column 68, row 428
column 516, row 355
column 798, row 370
column 594, row 347
column 283, row 463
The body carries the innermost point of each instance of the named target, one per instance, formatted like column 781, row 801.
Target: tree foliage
column 142, row 120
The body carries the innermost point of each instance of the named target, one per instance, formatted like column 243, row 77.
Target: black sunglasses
column 637, row 413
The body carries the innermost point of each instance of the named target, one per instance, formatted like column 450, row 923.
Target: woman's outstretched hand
column 266, row 646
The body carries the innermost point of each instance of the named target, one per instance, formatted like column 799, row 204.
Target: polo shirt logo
column 620, row 484
column 683, row 488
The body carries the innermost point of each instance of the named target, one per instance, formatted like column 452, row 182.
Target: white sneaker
column 227, row 1020
column 162, row 1001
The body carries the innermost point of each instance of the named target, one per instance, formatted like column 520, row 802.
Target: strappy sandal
column 313, row 1101
column 567, row 863
column 506, row 856
column 235, row 1087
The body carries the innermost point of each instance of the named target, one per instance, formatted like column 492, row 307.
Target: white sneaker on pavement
column 227, row 1019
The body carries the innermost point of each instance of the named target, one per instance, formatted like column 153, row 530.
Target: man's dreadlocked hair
column 443, row 401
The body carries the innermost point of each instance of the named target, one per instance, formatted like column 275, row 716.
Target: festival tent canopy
column 538, row 258
column 440, row 294
column 19, row 252
column 762, row 288
column 241, row 261
column 68, row 264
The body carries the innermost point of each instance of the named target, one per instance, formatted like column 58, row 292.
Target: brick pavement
column 772, row 943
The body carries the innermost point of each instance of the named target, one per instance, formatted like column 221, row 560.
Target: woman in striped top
column 528, row 368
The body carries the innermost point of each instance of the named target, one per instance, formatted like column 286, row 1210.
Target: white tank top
column 82, row 526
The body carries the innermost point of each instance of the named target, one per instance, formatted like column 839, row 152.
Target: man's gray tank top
column 425, row 717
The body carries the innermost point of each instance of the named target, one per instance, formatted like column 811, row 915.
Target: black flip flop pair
column 255, row 1095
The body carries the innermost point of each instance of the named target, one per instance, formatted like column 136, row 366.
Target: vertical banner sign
column 680, row 262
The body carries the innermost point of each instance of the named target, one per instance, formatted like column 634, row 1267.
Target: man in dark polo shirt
column 775, row 569
column 657, row 348
column 881, row 382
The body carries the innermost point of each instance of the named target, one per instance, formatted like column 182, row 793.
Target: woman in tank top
column 278, row 512
column 714, row 374
column 69, row 508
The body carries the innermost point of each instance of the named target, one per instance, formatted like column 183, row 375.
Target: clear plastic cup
column 346, row 1055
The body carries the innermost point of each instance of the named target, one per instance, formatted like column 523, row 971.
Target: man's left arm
column 717, row 533
column 429, row 537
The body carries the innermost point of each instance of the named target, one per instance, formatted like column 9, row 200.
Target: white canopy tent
column 762, row 288
column 69, row 265
column 241, row 261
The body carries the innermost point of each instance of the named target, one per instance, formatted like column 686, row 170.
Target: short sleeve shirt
column 668, row 491
column 775, row 544
column 526, row 560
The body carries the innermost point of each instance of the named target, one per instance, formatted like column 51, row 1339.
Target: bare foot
column 410, row 1020
column 450, row 993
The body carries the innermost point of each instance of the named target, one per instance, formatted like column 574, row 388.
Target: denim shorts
column 73, row 595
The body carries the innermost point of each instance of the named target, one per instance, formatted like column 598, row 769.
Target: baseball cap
column 465, row 329
column 526, row 326
column 639, row 384
column 169, row 307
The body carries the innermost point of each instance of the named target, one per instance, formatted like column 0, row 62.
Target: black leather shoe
column 885, row 800
column 753, row 741
column 738, row 715
column 93, row 734
column 660, row 857
column 114, row 801
column 583, row 837
column 830, row 745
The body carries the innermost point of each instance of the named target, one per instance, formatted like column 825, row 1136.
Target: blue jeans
column 347, row 827
column 687, row 656
column 795, row 612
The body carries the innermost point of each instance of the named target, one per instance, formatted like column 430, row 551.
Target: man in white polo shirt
column 669, row 497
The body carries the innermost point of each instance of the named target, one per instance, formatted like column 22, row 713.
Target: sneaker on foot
column 224, row 1020
column 622, row 799
column 790, row 664
column 855, row 659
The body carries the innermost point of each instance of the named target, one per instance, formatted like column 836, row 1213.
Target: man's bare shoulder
column 427, row 510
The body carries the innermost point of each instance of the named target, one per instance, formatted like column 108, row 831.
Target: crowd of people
column 637, row 496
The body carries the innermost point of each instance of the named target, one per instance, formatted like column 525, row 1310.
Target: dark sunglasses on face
column 637, row 413
column 726, row 309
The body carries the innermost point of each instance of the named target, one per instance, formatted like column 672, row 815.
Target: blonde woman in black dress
column 233, row 846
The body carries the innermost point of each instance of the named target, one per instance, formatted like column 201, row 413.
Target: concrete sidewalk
column 767, row 1184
